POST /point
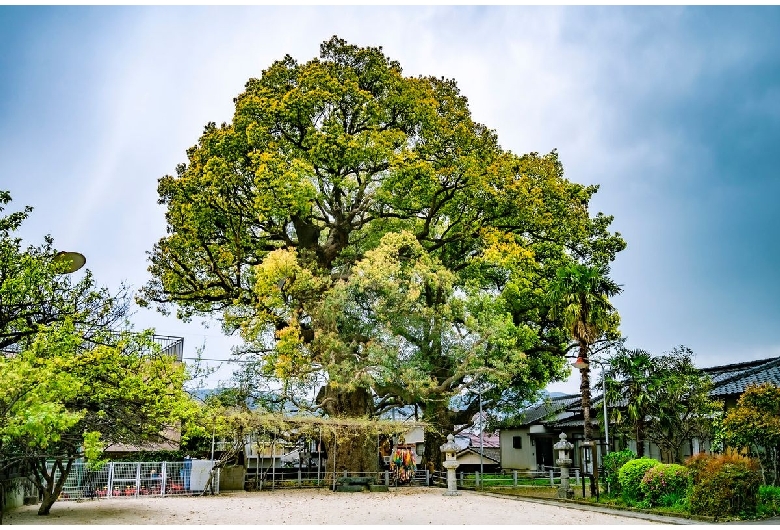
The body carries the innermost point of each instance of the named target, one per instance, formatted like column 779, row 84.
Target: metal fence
column 136, row 479
column 132, row 479
column 550, row 476
column 302, row 478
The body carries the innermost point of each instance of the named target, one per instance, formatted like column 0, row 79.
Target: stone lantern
column 450, row 463
column 564, row 462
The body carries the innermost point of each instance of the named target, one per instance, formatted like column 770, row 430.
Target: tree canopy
column 367, row 237
column 71, row 381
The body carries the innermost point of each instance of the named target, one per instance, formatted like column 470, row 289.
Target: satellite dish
column 72, row 261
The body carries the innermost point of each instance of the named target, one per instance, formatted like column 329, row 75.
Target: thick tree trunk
column 357, row 452
column 440, row 425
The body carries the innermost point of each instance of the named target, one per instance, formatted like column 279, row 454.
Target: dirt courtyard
column 405, row 506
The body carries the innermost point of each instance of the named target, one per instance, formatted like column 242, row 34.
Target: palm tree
column 629, row 379
column 580, row 298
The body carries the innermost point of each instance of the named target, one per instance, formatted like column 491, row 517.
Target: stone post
column 449, row 450
column 564, row 462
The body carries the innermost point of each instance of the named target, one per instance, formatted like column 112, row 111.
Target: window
column 517, row 442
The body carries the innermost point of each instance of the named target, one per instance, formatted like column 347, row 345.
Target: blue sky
column 674, row 111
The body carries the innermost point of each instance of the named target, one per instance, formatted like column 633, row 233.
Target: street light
column 71, row 261
column 478, row 389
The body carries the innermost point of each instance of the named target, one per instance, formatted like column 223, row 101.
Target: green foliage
column 356, row 225
column 71, row 381
column 158, row 456
column 630, row 477
column 664, row 484
column 612, row 464
column 580, row 295
column 724, row 485
column 668, row 399
column 754, row 424
column 628, row 380
column 768, row 501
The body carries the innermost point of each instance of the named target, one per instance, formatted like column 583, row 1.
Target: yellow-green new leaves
column 359, row 226
column 61, row 387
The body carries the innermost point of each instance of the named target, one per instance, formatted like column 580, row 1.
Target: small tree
column 680, row 407
column 754, row 424
column 667, row 399
column 63, row 399
column 628, row 379
column 69, row 384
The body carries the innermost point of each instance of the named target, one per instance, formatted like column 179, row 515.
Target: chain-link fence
column 134, row 479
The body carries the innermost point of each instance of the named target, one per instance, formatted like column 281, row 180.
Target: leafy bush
column 612, row 464
column 768, row 501
column 664, row 484
column 630, row 477
column 724, row 484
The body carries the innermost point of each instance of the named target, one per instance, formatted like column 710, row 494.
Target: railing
column 173, row 346
column 549, row 477
column 132, row 479
column 136, row 479
column 169, row 345
column 281, row 478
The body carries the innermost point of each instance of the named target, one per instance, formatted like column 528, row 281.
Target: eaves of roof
column 547, row 408
column 734, row 379
column 485, row 454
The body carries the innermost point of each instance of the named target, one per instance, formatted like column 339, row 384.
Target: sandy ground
column 405, row 506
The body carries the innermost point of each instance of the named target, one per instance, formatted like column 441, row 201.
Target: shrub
column 768, row 501
column 630, row 477
column 664, row 485
column 725, row 484
column 612, row 464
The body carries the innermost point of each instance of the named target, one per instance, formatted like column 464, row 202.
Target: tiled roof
column 733, row 379
column 491, row 453
column 728, row 380
column 548, row 408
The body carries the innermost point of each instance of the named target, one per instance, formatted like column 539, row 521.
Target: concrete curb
column 586, row 506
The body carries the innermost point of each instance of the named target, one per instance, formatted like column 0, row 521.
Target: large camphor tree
column 372, row 242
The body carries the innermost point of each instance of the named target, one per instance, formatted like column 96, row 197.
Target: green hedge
column 630, row 477
column 768, row 501
column 665, row 485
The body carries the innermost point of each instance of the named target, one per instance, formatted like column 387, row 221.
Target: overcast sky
column 674, row 111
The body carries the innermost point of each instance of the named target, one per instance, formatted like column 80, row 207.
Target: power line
column 217, row 360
